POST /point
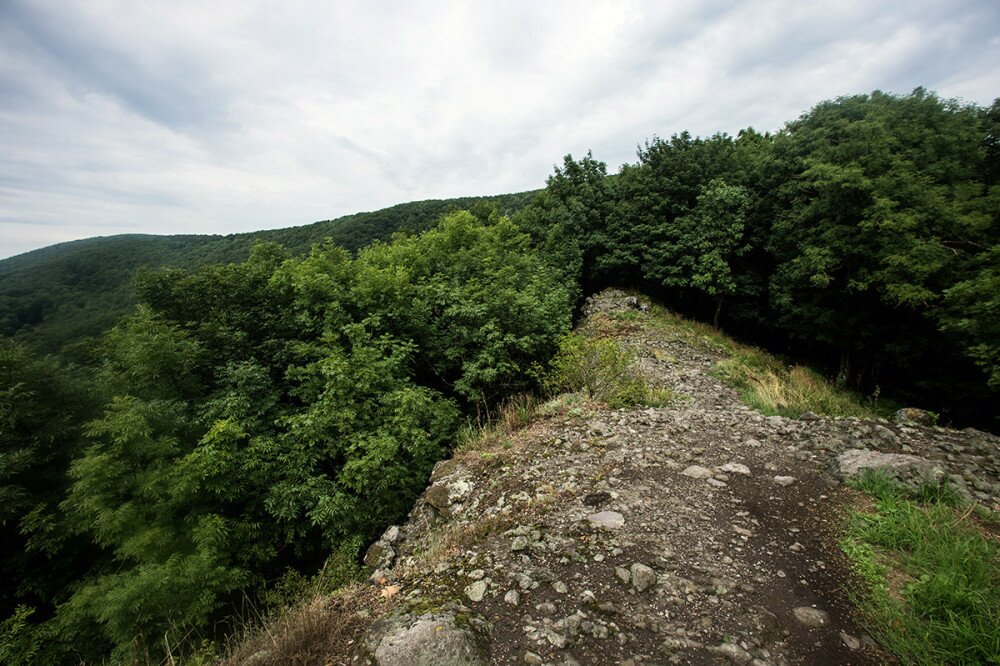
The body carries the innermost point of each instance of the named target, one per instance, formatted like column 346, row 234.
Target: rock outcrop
column 699, row 532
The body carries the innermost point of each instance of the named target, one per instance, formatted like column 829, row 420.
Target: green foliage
column 887, row 201
column 973, row 313
column 19, row 643
column 56, row 296
column 258, row 416
column 600, row 368
column 698, row 250
column 475, row 300
column 42, row 405
column 945, row 610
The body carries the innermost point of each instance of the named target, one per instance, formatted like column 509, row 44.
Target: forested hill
column 250, row 427
column 62, row 293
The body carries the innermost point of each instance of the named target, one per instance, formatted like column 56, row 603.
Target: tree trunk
column 718, row 311
column 845, row 370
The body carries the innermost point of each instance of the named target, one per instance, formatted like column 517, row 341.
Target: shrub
column 599, row 367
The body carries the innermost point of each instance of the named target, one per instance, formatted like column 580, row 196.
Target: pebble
column 735, row 468
column 785, row 480
column 642, row 576
column 733, row 652
column 609, row 520
column 476, row 591
column 697, row 472
column 811, row 617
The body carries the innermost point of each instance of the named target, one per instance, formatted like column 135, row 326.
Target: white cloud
column 184, row 117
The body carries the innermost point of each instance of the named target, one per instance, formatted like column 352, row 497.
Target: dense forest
column 259, row 417
column 57, row 295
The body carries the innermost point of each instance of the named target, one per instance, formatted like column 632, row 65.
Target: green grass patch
column 763, row 381
column 771, row 387
column 930, row 584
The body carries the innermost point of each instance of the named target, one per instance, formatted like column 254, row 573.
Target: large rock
column 428, row 640
column 853, row 463
column 911, row 416
column 379, row 555
column 441, row 495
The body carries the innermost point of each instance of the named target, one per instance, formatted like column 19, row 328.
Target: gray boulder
column 380, row 555
column 853, row 463
column 435, row 639
column 911, row 416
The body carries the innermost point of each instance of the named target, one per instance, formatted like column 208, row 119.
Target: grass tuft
column 930, row 584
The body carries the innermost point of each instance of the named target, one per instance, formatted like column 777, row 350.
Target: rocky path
column 697, row 533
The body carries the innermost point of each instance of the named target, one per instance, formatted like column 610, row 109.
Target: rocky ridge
column 699, row 532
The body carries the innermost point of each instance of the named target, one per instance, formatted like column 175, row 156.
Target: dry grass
column 322, row 630
column 770, row 387
column 492, row 429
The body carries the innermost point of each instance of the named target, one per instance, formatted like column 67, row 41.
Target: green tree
column 873, row 225
column 477, row 302
column 699, row 249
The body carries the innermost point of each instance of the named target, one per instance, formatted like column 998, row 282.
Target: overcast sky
column 217, row 117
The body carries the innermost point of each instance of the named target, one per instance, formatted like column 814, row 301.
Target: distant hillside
column 62, row 293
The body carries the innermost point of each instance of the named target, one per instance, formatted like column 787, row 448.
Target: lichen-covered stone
column 427, row 640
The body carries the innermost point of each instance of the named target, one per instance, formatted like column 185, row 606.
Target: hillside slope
column 62, row 293
column 697, row 532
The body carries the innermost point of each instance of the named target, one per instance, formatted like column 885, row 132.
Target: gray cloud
column 176, row 117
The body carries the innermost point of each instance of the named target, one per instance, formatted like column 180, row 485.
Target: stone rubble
column 699, row 532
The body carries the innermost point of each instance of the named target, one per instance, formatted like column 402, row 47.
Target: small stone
column 623, row 574
column 733, row 652
column 532, row 658
column 735, row 468
column 697, row 472
column 476, row 591
column 556, row 639
column 560, row 587
column 785, row 480
column 512, row 597
column 717, row 483
column 642, row 576
column 811, row 617
column 379, row 555
column 609, row 520
column 392, row 534
column 809, row 416
column 478, row 574
column 519, row 543
column 598, row 427
column 850, row 641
